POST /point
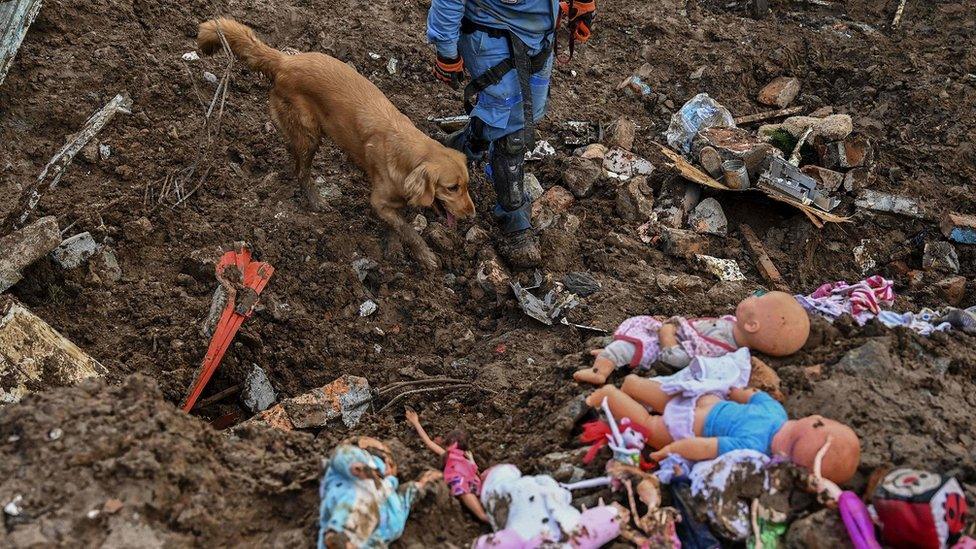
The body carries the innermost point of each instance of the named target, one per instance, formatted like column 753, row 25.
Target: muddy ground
column 911, row 89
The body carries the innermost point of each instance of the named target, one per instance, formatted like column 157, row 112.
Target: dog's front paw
column 427, row 260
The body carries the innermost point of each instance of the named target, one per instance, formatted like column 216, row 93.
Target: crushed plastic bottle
column 697, row 114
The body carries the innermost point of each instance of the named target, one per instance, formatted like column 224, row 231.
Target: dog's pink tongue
column 451, row 221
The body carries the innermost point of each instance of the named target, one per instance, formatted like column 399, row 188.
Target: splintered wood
column 21, row 248
column 761, row 116
column 34, row 356
column 15, row 18
column 765, row 265
column 55, row 168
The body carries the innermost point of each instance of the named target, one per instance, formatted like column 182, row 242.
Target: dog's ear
column 419, row 186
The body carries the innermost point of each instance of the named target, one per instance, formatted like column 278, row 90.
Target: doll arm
column 620, row 352
column 694, row 449
column 675, row 356
column 414, row 420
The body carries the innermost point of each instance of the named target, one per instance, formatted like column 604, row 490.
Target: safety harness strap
column 525, row 66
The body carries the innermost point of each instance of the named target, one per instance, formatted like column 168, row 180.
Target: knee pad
column 507, row 170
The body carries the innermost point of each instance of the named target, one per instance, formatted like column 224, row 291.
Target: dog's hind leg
column 302, row 139
column 391, row 215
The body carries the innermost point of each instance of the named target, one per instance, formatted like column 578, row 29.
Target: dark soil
column 911, row 90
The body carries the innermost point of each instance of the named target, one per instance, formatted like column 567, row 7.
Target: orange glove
column 580, row 19
column 449, row 71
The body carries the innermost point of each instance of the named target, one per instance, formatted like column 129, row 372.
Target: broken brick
column 733, row 143
column 635, row 200
column 780, row 92
column 828, row 180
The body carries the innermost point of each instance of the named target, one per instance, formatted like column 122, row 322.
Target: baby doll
column 706, row 426
column 460, row 470
column 774, row 324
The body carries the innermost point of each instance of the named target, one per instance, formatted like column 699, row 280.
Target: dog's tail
column 242, row 41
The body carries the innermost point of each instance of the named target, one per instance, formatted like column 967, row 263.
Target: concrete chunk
column 75, row 251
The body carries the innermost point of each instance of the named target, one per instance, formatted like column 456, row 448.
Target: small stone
column 93, row 514
column 210, row 77
column 708, row 218
column 391, row 66
column 940, row 256
column 868, row 361
column 492, row 277
column 368, row 307
column 419, row 223
column 137, row 229
column 112, row 506
column 780, row 92
column 476, row 235
column 532, row 186
column 952, row 289
column 258, row 394
column 440, row 237
column 55, row 434
column 581, row 175
column 828, row 180
column 682, row 243
column 595, row 151
column 581, row 284
column 363, row 266
column 13, row 507
column 697, row 74
column 727, row 270
column 565, row 418
column 75, row 251
column 191, row 56
column 622, row 134
column 554, row 201
column 90, row 152
column 328, row 190
column 834, row 127
column 104, row 151
column 635, row 200
column 105, row 266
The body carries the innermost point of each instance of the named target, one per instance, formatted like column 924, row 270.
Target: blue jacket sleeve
column 444, row 26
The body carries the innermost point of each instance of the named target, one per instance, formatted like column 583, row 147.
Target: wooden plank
column 55, row 168
column 690, row 172
column 763, row 262
column 21, row 248
column 760, row 116
column 16, row 17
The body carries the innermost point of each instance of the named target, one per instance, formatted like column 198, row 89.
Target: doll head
column 842, row 456
column 459, row 437
column 773, row 323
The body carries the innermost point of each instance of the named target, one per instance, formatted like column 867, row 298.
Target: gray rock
column 708, row 218
column 532, row 186
column 368, row 307
column 476, row 235
column 635, row 200
column 565, row 418
column 581, row 284
column 870, row 359
column 328, row 190
column 258, row 394
column 940, row 256
column 363, row 266
column 75, row 251
column 105, row 266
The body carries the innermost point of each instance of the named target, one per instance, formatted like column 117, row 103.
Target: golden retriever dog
column 315, row 95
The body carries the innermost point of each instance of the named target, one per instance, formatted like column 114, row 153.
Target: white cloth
column 710, row 375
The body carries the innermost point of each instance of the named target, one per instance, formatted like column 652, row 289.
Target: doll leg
column 472, row 502
column 646, row 391
column 623, row 405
